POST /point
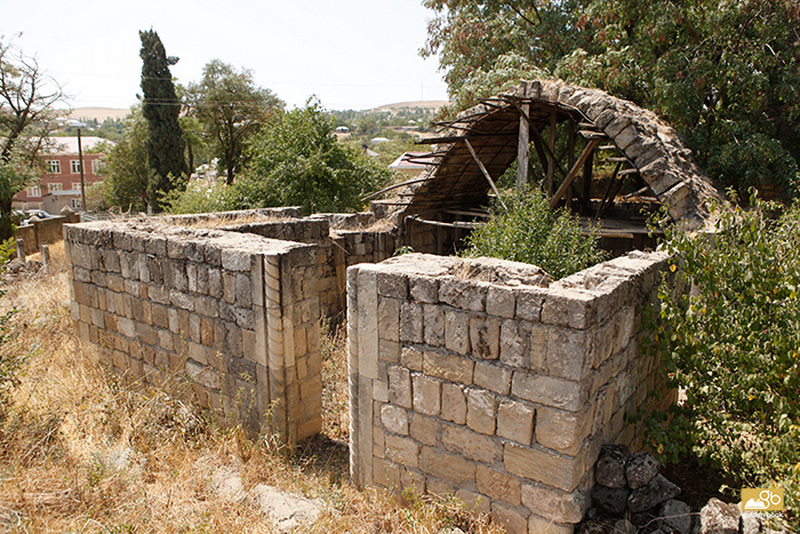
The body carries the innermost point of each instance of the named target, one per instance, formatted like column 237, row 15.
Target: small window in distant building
column 55, row 187
column 75, row 166
column 76, row 186
column 76, row 204
column 97, row 165
column 34, row 191
column 54, row 166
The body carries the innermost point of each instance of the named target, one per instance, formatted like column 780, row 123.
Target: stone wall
column 480, row 378
column 43, row 232
column 237, row 313
column 316, row 231
column 234, row 300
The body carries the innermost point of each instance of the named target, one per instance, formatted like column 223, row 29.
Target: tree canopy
column 127, row 171
column 726, row 74
column 27, row 97
column 161, row 109
column 297, row 161
column 231, row 107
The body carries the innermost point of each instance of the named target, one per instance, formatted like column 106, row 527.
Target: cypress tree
column 161, row 109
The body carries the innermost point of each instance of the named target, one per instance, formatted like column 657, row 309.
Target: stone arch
column 484, row 140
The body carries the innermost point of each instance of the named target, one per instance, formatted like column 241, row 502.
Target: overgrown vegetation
column 82, row 450
column 294, row 160
column 298, row 162
column 730, row 337
column 526, row 230
column 127, row 170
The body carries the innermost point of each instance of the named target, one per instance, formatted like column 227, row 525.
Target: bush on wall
column 523, row 228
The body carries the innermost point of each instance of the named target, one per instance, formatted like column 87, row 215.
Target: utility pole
column 80, row 162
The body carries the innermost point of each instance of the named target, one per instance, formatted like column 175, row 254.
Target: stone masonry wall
column 482, row 379
column 330, row 290
column 43, row 232
column 237, row 313
column 342, row 240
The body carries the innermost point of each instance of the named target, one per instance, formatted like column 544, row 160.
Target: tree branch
column 526, row 19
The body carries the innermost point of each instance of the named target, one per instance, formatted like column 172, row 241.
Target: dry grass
column 84, row 451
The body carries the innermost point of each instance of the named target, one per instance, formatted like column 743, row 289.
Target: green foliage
column 111, row 129
column 15, row 176
column 297, row 161
column 161, row 108
column 127, row 170
column 199, row 197
column 398, row 143
column 231, row 108
column 755, row 160
column 527, row 231
column 725, row 74
column 733, row 343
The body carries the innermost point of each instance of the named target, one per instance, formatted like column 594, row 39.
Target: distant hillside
column 425, row 104
column 100, row 114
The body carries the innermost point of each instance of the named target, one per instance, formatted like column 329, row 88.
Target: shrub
column 527, row 231
column 11, row 362
column 297, row 161
column 199, row 197
column 732, row 341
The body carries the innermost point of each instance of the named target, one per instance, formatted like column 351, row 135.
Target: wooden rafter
column 483, row 170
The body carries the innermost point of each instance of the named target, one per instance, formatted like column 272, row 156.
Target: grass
column 85, row 451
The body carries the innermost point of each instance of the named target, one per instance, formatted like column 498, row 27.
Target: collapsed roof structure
column 568, row 127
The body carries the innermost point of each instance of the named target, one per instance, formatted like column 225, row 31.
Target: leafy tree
column 296, row 160
column 127, row 170
column 197, row 148
column 111, row 129
column 473, row 38
column 231, row 108
column 724, row 73
column 523, row 228
column 161, row 108
column 27, row 98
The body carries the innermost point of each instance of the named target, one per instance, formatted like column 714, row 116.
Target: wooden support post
column 439, row 239
column 588, row 167
column 570, row 154
column 523, row 147
column 571, row 143
column 551, row 164
column 573, row 172
column 484, row 171
column 609, row 187
column 545, row 152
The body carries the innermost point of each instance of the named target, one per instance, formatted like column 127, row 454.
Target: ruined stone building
column 481, row 378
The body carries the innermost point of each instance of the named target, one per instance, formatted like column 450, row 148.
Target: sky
column 351, row 54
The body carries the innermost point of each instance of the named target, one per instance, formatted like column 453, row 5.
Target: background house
column 60, row 185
